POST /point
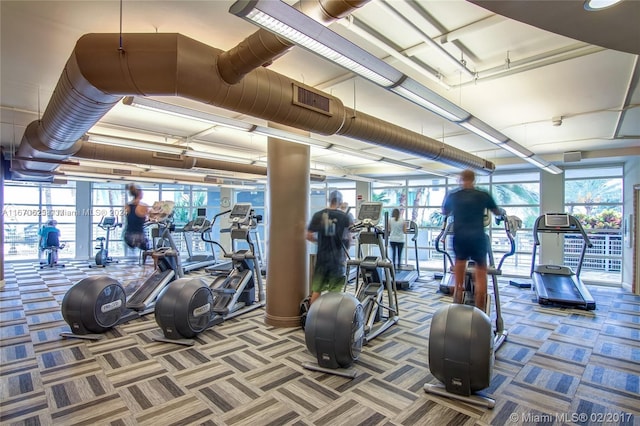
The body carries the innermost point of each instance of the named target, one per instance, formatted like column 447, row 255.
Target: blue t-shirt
column 467, row 207
column 50, row 236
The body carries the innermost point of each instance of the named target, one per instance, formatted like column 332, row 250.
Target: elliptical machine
column 190, row 305
column 457, row 328
column 338, row 324
column 97, row 303
column 102, row 258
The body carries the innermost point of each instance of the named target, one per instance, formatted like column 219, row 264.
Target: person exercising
column 329, row 228
column 136, row 213
column 397, row 229
column 50, row 238
column 467, row 205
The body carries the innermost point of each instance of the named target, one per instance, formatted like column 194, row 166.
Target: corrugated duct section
column 99, row 73
column 95, row 151
column 262, row 47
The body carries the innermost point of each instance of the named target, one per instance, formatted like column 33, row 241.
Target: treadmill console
column 370, row 212
column 556, row 220
column 240, row 213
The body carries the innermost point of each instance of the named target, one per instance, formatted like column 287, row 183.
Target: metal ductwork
column 99, row 72
column 96, row 151
column 101, row 152
column 262, row 47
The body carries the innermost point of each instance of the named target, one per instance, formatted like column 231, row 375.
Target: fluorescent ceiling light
column 300, row 29
column 400, row 163
column 544, row 165
column 516, row 149
column 484, row 131
column 289, row 136
column 417, row 93
column 553, row 169
column 210, row 156
column 188, row 113
column 288, row 22
column 134, row 143
column 356, row 153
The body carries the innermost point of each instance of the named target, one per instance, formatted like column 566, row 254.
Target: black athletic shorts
column 471, row 248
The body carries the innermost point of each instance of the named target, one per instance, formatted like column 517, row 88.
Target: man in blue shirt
column 467, row 205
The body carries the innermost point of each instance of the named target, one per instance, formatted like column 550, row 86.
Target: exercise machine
column 222, row 267
column 190, row 306
column 456, row 328
column 559, row 284
column 337, row 325
column 50, row 244
column 407, row 274
column 97, row 303
column 108, row 223
column 447, row 284
column 376, row 275
column 199, row 226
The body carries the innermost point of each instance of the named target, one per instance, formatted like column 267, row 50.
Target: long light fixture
column 184, row 112
column 485, row 131
column 277, row 17
column 187, row 113
column 271, row 132
column 134, row 143
column 280, row 18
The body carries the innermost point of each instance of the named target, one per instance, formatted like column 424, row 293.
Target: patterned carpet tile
column 243, row 372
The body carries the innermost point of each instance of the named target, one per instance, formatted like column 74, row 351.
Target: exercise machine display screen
column 240, row 211
column 199, row 221
column 370, row 211
column 108, row 221
column 556, row 220
column 201, row 212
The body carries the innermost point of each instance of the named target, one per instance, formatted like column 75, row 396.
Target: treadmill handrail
column 575, row 227
column 208, row 232
column 446, row 229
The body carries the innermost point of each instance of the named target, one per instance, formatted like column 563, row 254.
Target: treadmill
column 198, row 225
column 559, row 284
column 406, row 275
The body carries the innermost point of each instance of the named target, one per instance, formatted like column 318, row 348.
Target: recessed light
column 595, row 5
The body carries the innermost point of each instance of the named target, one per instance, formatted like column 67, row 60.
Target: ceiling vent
column 308, row 98
column 168, row 156
column 121, row 172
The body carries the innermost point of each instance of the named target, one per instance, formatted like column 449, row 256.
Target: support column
column 288, row 203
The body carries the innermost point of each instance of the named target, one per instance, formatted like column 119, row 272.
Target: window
column 594, row 197
column 28, row 207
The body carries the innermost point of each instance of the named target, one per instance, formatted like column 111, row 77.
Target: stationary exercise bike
column 107, row 223
column 50, row 244
column 462, row 341
column 338, row 324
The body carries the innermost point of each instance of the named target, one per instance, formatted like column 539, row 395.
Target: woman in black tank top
column 136, row 215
